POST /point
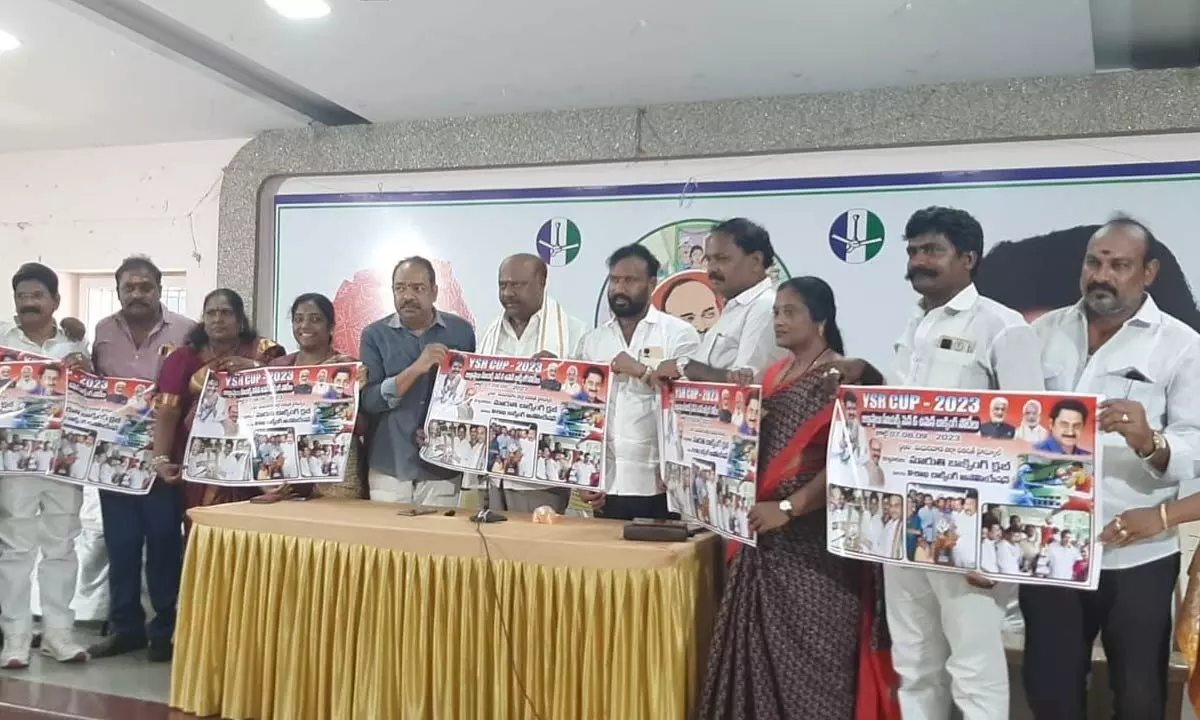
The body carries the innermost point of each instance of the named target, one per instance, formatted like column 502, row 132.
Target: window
column 97, row 298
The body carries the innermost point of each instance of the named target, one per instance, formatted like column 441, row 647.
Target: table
column 345, row 609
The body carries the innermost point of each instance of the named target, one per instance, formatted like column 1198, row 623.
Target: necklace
column 811, row 363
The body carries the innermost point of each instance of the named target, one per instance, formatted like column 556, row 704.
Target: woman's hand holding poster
column 273, row 425
column 998, row 483
column 709, row 441
column 538, row 420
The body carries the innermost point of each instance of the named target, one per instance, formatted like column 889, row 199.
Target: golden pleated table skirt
column 343, row 609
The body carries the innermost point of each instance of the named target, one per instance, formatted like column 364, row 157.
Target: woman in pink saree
column 224, row 341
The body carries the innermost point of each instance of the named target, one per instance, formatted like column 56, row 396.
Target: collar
column 164, row 319
column 534, row 321
column 751, row 293
column 1148, row 315
column 963, row 301
column 652, row 316
column 58, row 333
column 394, row 320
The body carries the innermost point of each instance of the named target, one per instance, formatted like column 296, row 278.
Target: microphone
column 486, row 514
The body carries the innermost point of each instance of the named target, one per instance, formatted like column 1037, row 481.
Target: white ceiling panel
column 392, row 59
column 76, row 82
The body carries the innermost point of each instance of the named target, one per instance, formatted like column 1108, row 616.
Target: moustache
column 716, row 276
column 409, row 306
column 621, row 299
column 29, row 309
column 1092, row 287
column 919, row 272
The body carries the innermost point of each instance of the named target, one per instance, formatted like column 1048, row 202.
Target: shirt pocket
column 952, row 369
column 1151, row 396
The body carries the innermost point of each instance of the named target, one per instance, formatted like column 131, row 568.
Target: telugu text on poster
column 107, row 434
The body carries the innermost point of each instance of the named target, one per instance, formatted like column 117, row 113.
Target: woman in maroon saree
column 312, row 325
column 800, row 632
column 224, row 341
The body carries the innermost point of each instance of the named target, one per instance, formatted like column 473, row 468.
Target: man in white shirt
column 891, row 542
column 533, row 324
column 38, row 513
column 966, row 524
column 1031, row 430
column 992, row 532
column 1061, row 558
column 636, row 339
column 1008, row 555
column 741, row 346
column 1117, row 343
column 947, row 625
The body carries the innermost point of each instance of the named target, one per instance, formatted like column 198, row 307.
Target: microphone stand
column 485, row 513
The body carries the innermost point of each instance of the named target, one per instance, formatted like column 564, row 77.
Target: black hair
column 595, row 370
column 636, row 251
column 818, row 298
column 958, row 226
column 694, row 248
column 417, row 260
column 323, row 304
column 36, row 272
column 1068, row 404
column 850, row 397
column 1027, row 274
column 138, row 262
column 456, row 359
column 750, row 237
column 198, row 338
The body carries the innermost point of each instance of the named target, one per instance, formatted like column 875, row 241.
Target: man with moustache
column 39, row 514
column 1031, row 430
column 1067, row 418
column 401, row 353
column 741, row 346
column 132, row 343
column 947, row 645
column 533, row 324
column 996, row 428
column 630, row 343
column 1117, row 342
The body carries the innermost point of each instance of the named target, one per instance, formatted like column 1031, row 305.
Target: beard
column 624, row 306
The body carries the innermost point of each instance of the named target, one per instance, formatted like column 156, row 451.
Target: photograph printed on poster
column 575, row 461
column 456, row 443
column 28, row 451
column 1023, row 541
column 951, row 452
column 120, row 467
column 524, row 408
column 275, row 455
column 32, row 397
column 943, row 526
column 323, row 456
column 73, row 459
column 867, row 522
column 218, row 460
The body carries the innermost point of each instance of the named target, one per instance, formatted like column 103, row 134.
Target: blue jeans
column 153, row 522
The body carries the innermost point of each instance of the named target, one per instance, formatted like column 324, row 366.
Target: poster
column 999, row 483
column 107, row 434
column 31, row 413
column 709, row 441
column 273, row 425
column 528, row 419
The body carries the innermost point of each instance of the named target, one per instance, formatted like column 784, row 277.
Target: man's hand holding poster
column 273, row 425
column 537, row 420
column 998, row 483
column 709, row 441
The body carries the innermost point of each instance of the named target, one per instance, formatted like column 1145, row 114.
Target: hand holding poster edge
column 925, row 433
column 261, row 427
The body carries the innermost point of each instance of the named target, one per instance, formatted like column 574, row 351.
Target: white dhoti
column 947, row 645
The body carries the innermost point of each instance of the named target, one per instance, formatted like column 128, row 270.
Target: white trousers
column 434, row 493
column 947, row 645
column 38, row 514
column 91, row 603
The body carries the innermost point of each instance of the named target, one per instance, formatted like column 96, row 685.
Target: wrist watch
column 681, row 367
column 786, row 507
column 1160, row 444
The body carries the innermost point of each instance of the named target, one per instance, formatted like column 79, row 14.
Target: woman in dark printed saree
column 800, row 632
column 224, row 341
column 313, row 322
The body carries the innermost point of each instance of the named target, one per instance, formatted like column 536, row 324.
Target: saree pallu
column 1187, row 631
column 801, row 631
column 183, row 375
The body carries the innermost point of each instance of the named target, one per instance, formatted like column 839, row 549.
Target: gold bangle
column 1162, row 513
column 167, row 400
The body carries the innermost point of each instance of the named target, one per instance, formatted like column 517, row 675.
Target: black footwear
column 117, row 645
column 160, row 650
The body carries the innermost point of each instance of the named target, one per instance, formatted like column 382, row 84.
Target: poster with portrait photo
column 713, row 429
column 32, row 398
column 28, row 452
column 519, row 402
column 116, row 413
column 248, row 424
column 949, row 453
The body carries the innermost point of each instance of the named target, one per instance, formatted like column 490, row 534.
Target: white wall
column 83, row 211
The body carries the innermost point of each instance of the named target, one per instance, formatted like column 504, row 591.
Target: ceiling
column 105, row 72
